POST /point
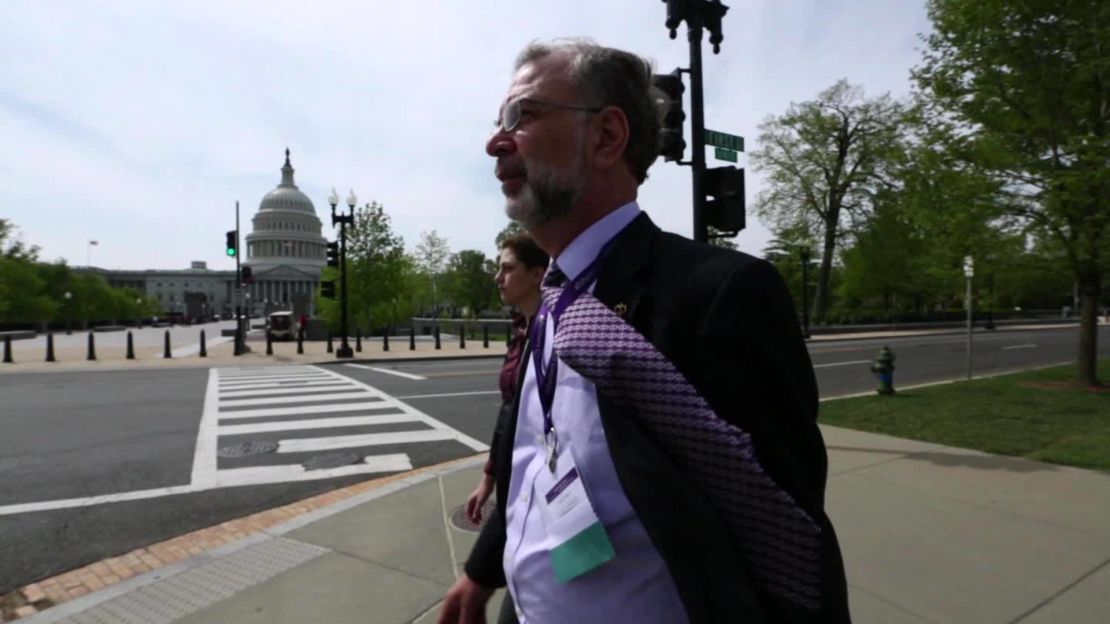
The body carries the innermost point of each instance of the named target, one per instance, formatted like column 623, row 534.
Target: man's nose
column 500, row 143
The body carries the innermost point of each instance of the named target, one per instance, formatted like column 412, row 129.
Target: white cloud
column 140, row 124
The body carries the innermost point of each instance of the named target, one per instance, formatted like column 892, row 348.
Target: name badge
column 579, row 538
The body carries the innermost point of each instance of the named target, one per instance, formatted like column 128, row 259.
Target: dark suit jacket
column 726, row 321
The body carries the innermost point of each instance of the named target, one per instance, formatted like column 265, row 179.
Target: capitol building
column 285, row 251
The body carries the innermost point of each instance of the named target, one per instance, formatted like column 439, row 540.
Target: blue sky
column 139, row 124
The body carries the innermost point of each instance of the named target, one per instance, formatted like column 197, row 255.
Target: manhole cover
column 331, row 460
column 460, row 521
column 244, row 449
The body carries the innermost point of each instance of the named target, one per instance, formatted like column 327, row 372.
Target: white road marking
column 257, row 475
column 282, row 390
column 287, row 384
column 1022, row 346
column 449, row 394
column 307, row 409
column 316, row 398
column 268, row 378
column 303, row 445
column 842, row 363
column 318, row 423
column 204, row 458
column 388, row 372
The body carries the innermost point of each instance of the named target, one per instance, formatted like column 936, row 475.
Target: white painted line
column 266, row 378
column 388, row 371
column 277, row 391
column 308, row 409
column 304, row 445
column 9, row 510
column 316, row 398
column 842, row 363
column 204, row 457
column 449, row 394
column 318, row 423
column 1023, row 346
column 251, row 476
column 426, row 419
column 295, row 472
column 288, row 384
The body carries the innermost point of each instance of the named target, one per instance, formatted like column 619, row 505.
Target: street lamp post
column 344, row 350
column 969, row 272
column 69, row 313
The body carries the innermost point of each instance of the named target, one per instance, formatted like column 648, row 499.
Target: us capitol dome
column 285, row 249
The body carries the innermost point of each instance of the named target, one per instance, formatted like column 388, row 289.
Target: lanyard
column 546, row 373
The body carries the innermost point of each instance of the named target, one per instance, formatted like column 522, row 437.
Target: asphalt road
column 190, row 448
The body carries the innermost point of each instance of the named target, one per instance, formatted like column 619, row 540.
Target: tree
column 376, row 270
column 430, row 259
column 512, row 228
column 823, row 160
column 1028, row 83
column 469, row 280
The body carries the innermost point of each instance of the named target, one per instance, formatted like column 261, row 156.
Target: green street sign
column 727, row 141
column 724, row 154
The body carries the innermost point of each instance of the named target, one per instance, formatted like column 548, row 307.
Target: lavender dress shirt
column 635, row 586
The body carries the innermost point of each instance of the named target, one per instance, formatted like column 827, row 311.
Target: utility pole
column 344, row 350
column 969, row 272
column 240, row 338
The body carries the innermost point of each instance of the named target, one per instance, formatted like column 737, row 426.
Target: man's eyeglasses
column 511, row 111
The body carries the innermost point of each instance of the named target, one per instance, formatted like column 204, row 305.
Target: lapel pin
column 620, row 309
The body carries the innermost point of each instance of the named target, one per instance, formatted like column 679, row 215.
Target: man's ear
column 612, row 138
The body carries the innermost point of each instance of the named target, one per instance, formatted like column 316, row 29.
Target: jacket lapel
column 620, row 284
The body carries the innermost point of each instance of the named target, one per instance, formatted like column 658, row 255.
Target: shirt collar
column 582, row 250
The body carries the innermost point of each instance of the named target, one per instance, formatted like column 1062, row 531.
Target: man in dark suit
column 577, row 133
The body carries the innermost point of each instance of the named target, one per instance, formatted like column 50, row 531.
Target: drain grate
column 332, row 460
column 460, row 521
column 243, row 449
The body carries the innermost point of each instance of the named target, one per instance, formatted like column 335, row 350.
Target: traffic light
column 333, row 254
column 327, row 289
column 669, row 100
column 232, row 243
column 248, row 275
column 725, row 212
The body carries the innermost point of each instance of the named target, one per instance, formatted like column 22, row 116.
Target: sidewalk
column 929, row 534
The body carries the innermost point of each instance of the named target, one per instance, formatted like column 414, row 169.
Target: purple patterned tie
column 778, row 540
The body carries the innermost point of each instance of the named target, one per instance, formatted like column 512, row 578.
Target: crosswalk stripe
column 277, row 391
column 371, row 439
column 295, row 472
column 316, row 398
column 245, row 380
column 318, row 423
column 287, row 384
column 308, row 409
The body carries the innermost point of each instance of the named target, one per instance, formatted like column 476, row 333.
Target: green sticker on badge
column 585, row 551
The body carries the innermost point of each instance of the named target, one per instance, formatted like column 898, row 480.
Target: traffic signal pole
column 238, row 289
column 697, row 127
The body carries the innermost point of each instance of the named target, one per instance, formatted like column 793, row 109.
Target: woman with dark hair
column 519, row 274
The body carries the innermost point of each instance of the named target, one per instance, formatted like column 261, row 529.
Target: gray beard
column 547, row 195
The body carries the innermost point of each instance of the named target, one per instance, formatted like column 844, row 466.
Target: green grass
column 1043, row 415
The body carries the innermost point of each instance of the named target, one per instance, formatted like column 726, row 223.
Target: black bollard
column 437, row 337
column 166, row 350
column 50, row 348
column 92, row 347
column 300, row 341
column 358, row 340
column 130, row 347
column 8, row 350
column 485, row 336
column 203, row 348
column 462, row 336
column 385, row 340
column 269, row 343
column 330, row 349
column 412, row 338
